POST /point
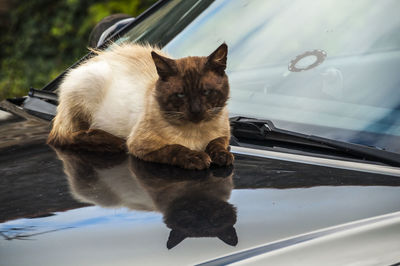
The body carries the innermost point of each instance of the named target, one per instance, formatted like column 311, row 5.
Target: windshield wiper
column 258, row 129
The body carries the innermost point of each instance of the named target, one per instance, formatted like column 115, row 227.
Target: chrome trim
column 347, row 165
column 260, row 250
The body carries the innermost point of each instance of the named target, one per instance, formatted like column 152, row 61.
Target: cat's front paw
column 222, row 157
column 197, row 160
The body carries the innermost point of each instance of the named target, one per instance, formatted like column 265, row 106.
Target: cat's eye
column 180, row 95
column 207, row 92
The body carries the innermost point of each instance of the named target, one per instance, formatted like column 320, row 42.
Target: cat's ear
column 229, row 236
column 166, row 67
column 216, row 61
column 175, row 237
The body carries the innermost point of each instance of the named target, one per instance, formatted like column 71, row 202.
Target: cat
column 193, row 203
column 162, row 110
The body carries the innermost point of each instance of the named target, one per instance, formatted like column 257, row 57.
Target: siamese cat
column 162, row 110
column 193, row 203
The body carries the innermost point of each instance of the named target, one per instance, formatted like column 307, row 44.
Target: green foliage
column 40, row 38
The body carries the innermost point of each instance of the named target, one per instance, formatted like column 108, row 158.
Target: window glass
column 329, row 68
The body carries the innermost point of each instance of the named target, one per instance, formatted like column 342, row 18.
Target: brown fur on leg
column 218, row 151
column 65, row 123
column 97, row 140
column 94, row 140
column 181, row 156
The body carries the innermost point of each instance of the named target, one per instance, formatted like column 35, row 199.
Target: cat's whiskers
column 214, row 111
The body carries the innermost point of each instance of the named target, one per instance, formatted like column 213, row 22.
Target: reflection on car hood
column 81, row 208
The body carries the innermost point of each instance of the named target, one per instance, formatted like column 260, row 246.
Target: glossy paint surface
column 63, row 208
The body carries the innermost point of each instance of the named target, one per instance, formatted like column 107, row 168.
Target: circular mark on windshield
column 307, row 60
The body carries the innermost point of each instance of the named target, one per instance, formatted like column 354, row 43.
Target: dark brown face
column 192, row 89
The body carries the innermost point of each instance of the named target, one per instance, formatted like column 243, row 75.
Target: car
column 315, row 134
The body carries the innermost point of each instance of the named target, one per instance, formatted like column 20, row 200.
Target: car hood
column 61, row 207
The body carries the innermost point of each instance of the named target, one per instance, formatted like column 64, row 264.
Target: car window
column 165, row 23
column 328, row 68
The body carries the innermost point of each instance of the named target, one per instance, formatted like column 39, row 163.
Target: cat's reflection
column 104, row 179
column 193, row 203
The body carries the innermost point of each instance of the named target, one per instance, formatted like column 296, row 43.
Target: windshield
column 328, row 68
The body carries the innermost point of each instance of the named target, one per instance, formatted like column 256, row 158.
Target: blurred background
column 40, row 38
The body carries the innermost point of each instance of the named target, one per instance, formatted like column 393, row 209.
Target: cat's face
column 192, row 89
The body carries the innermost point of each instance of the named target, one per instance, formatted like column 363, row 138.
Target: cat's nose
column 196, row 112
column 195, row 108
column 196, row 117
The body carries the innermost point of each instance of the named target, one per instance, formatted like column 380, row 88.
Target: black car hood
column 60, row 207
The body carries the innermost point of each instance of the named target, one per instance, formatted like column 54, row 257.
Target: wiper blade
column 258, row 129
column 41, row 94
